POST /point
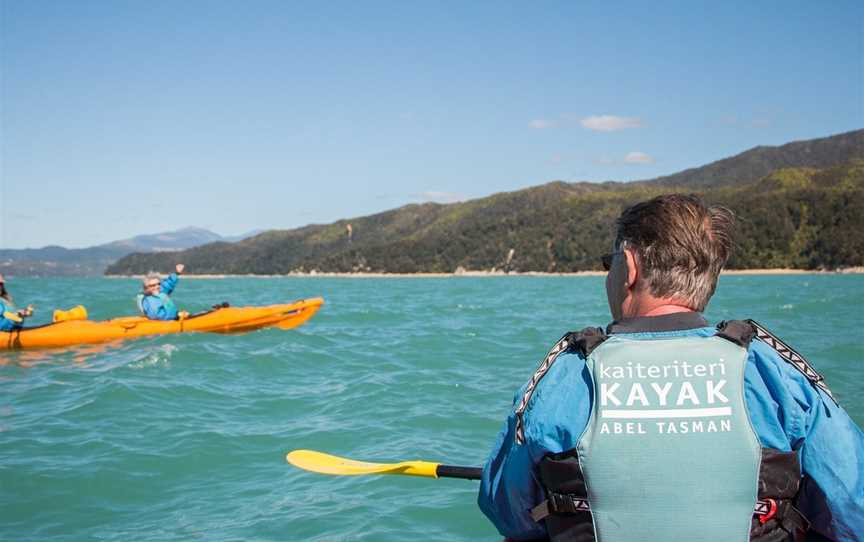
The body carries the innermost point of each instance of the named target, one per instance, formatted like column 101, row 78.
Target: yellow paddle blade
column 330, row 464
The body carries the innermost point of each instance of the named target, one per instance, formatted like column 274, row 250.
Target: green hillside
column 752, row 165
column 796, row 217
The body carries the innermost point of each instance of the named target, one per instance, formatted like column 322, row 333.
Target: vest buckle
column 766, row 510
column 563, row 503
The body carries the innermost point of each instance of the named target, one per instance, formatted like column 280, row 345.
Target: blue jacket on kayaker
column 785, row 409
column 10, row 318
column 154, row 302
column 665, row 428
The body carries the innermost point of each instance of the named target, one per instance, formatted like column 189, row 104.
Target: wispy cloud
column 610, row 123
column 637, row 157
column 760, row 120
column 542, row 124
column 23, row 216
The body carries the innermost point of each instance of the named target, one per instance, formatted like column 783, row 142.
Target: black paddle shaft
column 466, row 473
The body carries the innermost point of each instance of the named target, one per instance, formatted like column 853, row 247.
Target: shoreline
column 321, row 274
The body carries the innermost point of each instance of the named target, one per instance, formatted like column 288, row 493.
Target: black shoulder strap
column 791, row 356
column 739, row 332
column 582, row 342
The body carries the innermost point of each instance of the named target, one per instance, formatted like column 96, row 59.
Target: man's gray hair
column 681, row 244
column 149, row 277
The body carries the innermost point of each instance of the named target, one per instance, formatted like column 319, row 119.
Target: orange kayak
column 222, row 320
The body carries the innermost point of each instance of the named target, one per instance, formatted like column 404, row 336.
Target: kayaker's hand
column 182, row 315
column 26, row 312
column 179, row 268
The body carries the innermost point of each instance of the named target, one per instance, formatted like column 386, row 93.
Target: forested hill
column 794, row 217
column 752, row 165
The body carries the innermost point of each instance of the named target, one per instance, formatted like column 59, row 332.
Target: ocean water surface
column 183, row 437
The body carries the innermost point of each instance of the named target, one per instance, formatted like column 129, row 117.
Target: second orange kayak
column 222, row 320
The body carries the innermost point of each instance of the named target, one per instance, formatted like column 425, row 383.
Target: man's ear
column 632, row 268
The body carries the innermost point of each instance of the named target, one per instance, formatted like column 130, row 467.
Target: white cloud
column 637, row 157
column 610, row 123
column 542, row 124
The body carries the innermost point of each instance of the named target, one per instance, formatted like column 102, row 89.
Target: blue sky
column 120, row 118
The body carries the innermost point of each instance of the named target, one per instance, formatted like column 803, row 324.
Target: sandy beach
column 848, row 270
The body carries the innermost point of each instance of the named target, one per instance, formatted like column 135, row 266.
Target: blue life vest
column 164, row 302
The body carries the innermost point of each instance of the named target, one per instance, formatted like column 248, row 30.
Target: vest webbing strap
column 582, row 341
column 791, row 356
column 561, row 346
column 562, row 503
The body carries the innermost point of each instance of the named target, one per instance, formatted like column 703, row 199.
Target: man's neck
column 666, row 309
column 649, row 306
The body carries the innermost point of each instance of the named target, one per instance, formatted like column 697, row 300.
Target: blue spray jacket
column 160, row 306
column 7, row 324
column 786, row 411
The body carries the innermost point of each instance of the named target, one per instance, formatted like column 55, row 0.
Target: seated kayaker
column 154, row 302
column 11, row 319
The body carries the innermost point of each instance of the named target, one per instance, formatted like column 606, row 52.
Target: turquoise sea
column 184, row 437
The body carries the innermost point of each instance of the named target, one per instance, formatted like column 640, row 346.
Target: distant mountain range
column 92, row 261
column 799, row 205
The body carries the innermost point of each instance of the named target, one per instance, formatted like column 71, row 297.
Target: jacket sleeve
column 831, row 449
column 555, row 418
column 832, row 458
column 509, row 488
column 169, row 283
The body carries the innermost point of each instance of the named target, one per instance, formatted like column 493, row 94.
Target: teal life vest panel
column 669, row 442
column 669, row 452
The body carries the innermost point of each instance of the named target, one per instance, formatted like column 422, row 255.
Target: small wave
column 158, row 357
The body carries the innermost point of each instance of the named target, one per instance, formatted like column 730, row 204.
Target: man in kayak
column 663, row 427
column 11, row 319
column 154, row 302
